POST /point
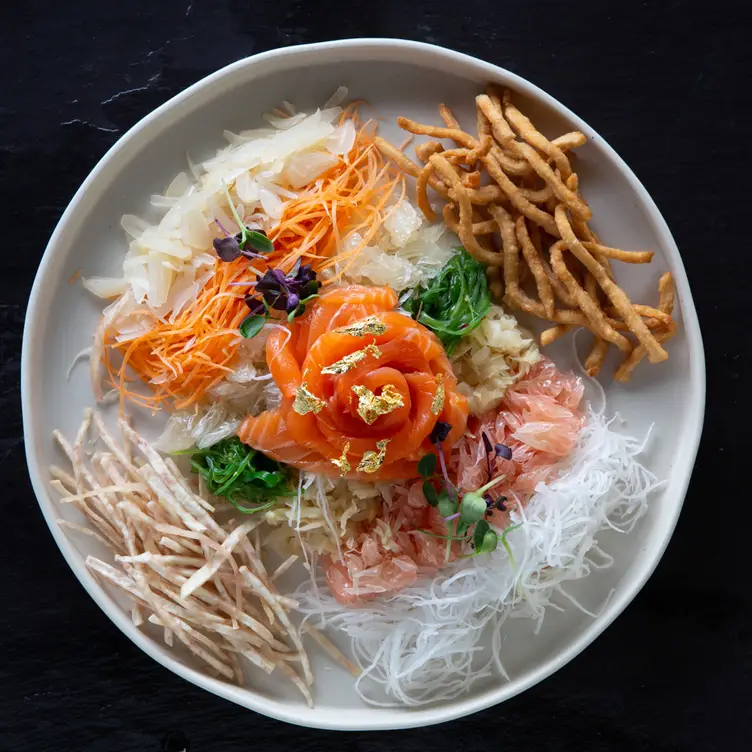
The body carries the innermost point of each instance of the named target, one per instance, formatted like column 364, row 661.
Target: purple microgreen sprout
column 503, row 451
column 489, row 448
column 288, row 293
column 231, row 247
column 493, row 451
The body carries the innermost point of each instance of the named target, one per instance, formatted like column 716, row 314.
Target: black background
column 667, row 84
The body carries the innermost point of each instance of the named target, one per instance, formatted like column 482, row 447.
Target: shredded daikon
column 424, row 643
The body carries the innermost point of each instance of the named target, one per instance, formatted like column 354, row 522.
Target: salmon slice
column 268, row 434
column 408, row 360
column 383, row 297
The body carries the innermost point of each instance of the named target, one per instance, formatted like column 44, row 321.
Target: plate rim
column 368, row 718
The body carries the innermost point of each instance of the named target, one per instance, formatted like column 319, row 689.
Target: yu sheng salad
column 330, row 329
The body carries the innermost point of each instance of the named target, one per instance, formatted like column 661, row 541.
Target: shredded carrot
column 182, row 359
column 74, row 277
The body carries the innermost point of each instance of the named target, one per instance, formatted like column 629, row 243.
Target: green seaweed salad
column 454, row 302
column 240, row 474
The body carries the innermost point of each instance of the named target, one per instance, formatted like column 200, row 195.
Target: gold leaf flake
column 305, row 402
column 369, row 325
column 342, row 463
column 350, row 361
column 438, row 399
column 372, row 461
column 370, row 407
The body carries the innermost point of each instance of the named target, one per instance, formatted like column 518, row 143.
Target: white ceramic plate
column 397, row 77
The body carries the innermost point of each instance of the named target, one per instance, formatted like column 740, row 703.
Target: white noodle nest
column 423, row 644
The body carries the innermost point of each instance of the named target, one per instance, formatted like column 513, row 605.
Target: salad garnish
column 240, row 474
column 454, row 302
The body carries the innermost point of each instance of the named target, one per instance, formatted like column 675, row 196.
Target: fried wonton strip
column 425, row 150
column 510, row 250
column 596, row 356
column 454, row 134
column 573, row 201
column 512, row 192
column 545, row 293
column 628, row 257
column 570, row 140
column 667, row 294
column 450, row 121
column 422, row 195
column 529, row 133
column 618, row 297
column 465, row 226
column 558, row 286
column 505, row 136
column 548, row 336
column 406, row 164
column 590, row 307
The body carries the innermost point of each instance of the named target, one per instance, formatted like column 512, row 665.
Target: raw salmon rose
column 362, row 387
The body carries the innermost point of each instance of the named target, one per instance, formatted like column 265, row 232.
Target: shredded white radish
column 424, row 644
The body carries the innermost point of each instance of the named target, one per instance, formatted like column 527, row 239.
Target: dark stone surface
column 665, row 83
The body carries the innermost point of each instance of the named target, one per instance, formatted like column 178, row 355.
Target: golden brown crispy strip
column 501, row 129
column 596, row 356
column 523, row 206
column 421, row 193
column 495, row 283
column 392, row 152
column 667, row 294
column 487, row 194
column 573, row 201
column 484, row 127
column 465, row 226
column 529, row 133
column 539, row 196
column 570, row 140
column 617, row 296
column 597, row 318
column 420, row 129
column 510, row 250
column 484, row 146
column 647, row 312
column 490, row 109
column 426, row 149
column 456, row 156
column 484, row 252
column 486, row 227
column 558, row 287
column 450, row 121
column 553, row 333
column 406, row 164
column 471, row 180
column 594, row 360
column 628, row 257
column 545, row 293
